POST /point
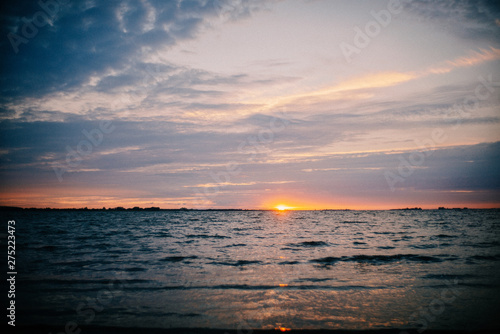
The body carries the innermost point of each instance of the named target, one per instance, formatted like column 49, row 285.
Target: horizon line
column 119, row 208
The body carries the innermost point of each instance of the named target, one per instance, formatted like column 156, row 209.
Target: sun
column 282, row 207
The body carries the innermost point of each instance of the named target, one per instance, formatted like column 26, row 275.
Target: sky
column 310, row 104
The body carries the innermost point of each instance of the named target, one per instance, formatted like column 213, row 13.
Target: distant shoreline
column 121, row 209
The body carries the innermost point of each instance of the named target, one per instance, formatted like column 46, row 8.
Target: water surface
column 260, row 269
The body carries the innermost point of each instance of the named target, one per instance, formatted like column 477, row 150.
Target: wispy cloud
column 362, row 87
column 475, row 58
column 376, row 80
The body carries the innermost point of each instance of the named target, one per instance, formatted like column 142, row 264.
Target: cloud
column 475, row 58
column 376, row 80
column 468, row 19
column 155, row 159
column 462, row 168
column 388, row 79
column 87, row 39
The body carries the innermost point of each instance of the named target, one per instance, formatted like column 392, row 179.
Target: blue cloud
column 85, row 39
column 469, row 19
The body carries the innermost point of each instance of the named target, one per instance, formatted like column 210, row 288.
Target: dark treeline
column 119, row 208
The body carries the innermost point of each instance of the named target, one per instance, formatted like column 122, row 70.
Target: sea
column 423, row 269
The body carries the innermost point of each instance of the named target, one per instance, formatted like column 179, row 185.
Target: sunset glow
column 251, row 104
column 282, row 207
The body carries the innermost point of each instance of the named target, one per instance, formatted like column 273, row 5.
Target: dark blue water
column 260, row 269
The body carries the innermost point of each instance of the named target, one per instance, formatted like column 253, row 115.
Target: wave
column 134, row 269
column 234, row 245
column 424, row 246
column 308, row 244
column 204, row 236
column 448, row 276
column 163, row 234
column 288, row 262
column 485, row 257
column 377, row 259
column 127, row 312
column 238, row 263
column 48, row 248
column 57, row 282
column 177, row 258
column 262, row 287
column 181, row 315
column 484, row 244
column 444, row 236
column 313, row 279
